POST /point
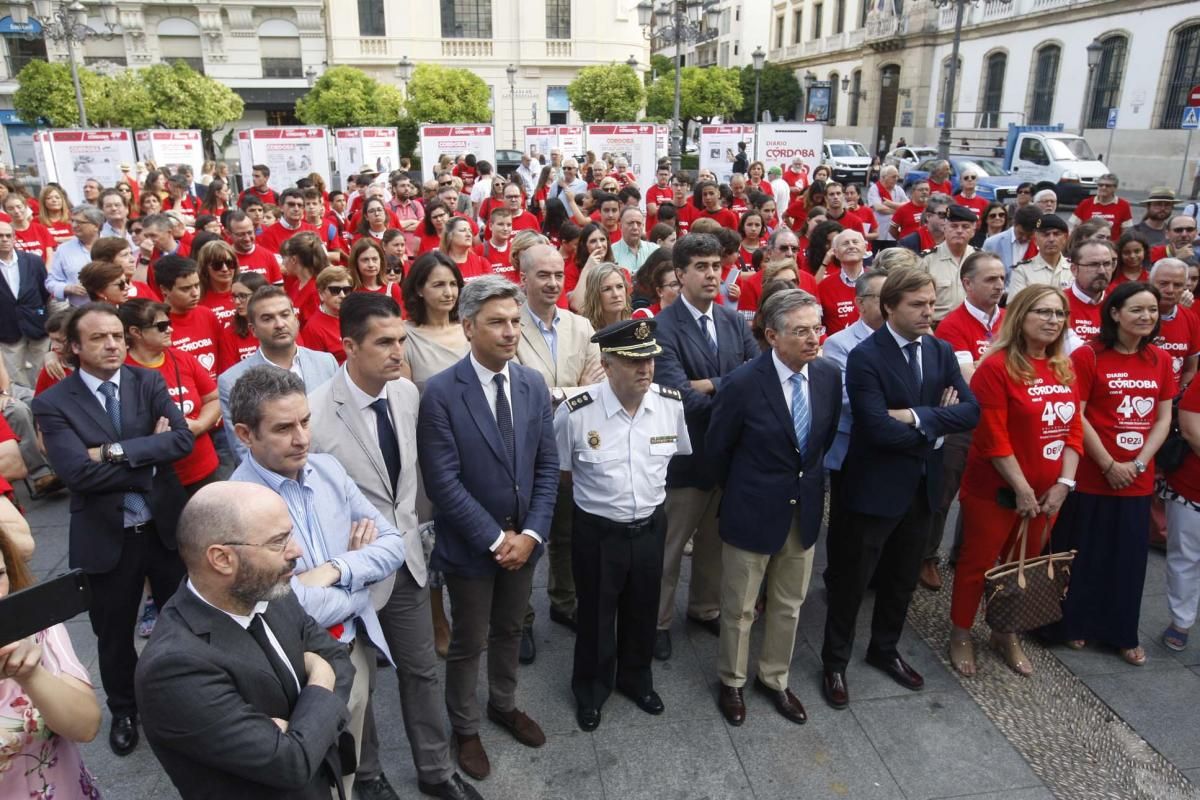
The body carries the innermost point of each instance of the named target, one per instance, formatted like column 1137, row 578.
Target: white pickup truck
column 1050, row 159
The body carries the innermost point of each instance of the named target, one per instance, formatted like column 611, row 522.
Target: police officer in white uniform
column 616, row 439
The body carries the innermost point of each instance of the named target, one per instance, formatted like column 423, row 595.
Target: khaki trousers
column 788, row 573
column 21, row 352
column 362, row 656
column 692, row 511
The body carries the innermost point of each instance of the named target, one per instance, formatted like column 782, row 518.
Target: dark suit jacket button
column 793, row 502
column 801, row 475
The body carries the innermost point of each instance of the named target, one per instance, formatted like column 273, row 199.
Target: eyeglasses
column 336, row 290
column 671, row 285
column 1183, row 230
column 395, row 270
column 998, row 215
column 1096, row 264
column 942, row 214
column 788, row 248
column 162, row 326
column 803, row 333
column 242, row 297
column 278, row 544
column 223, row 266
column 1049, row 314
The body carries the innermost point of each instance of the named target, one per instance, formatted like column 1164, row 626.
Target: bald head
column 218, row 513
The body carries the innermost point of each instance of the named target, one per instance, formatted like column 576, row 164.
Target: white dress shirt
column 697, row 314
column 244, row 622
column 363, row 401
column 12, row 274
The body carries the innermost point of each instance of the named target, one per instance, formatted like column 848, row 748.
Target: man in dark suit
column 772, row 422
column 23, row 298
column 112, row 433
column 906, row 394
column 242, row 694
column 485, row 440
column 702, row 342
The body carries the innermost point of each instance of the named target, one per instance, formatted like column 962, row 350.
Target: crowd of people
column 349, row 423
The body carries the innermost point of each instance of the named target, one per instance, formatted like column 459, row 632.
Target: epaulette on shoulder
column 1025, row 261
column 579, row 401
column 928, row 252
column 667, row 391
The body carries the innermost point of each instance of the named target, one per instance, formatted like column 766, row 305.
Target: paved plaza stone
column 1086, row 726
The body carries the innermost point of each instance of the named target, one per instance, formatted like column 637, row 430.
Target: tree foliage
column 779, row 91
column 183, row 98
column 123, row 101
column 447, row 95
column 607, row 93
column 45, row 94
column 704, row 93
column 347, row 96
column 659, row 65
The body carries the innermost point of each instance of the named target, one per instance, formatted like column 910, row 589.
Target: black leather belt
column 630, row 530
column 141, row 527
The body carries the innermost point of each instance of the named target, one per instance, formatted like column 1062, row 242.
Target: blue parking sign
column 1112, row 118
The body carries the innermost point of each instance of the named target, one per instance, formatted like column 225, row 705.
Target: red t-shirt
column 262, row 261
column 849, row 221
column 1033, row 422
column 1122, row 393
column 1179, row 337
column 139, row 289
column 869, row 221
column 943, row 187
column 965, row 333
column 684, row 217
column 323, row 332
column 236, row 348
column 429, row 241
column 391, row 289
column 837, row 303
column 1186, row 479
column 221, row 304
column 197, row 333
column 356, row 219
column 724, row 216
column 61, row 231
column 657, row 195
column 188, row 383
column 739, row 206
column 797, row 180
column 45, row 380
column 1117, row 213
column 1119, row 277
column 500, row 261
column 976, row 204
column 908, row 218
column 796, row 214
column 753, row 285
column 467, row 174
column 273, row 237
column 526, row 221
column 267, row 196
column 476, row 266
column 306, row 299
column 1085, row 317
column 186, row 204
column 35, row 239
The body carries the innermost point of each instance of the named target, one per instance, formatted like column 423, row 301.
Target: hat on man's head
column 957, row 213
column 1052, row 222
column 631, row 338
column 1159, row 194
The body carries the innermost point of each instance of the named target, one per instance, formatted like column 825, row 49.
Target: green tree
column 607, row 93
column 704, row 93
column 45, row 94
column 779, row 91
column 346, row 96
column 659, row 65
column 183, row 98
column 447, row 95
column 124, row 102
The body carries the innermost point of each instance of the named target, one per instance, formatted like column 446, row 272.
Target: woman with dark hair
column 706, row 203
column 457, row 242
column 818, row 256
column 1125, row 385
column 116, row 250
column 1133, row 259
column 995, row 220
column 752, row 228
column 303, row 257
column 659, row 281
column 374, row 220
column 207, row 223
column 595, row 247
column 394, row 251
column 541, row 191
column 149, row 203
column 240, row 341
column 367, row 258
column 797, row 212
column 105, row 282
column 437, row 214
column 663, row 235
column 216, row 199
column 218, row 268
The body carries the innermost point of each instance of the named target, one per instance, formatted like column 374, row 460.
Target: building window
column 179, row 40
column 864, row 8
column 370, row 18
column 285, row 116
column 1045, row 78
column 855, row 95
column 735, row 48
column 1106, row 86
column 279, row 47
column 797, row 26
column 839, row 16
column 993, row 90
column 817, row 9
column 558, row 19
column 834, row 90
column 1185, row 73
column 737, row 14
column 558, row 106
column 21, row 51
column 778, row 32
column 467, row 19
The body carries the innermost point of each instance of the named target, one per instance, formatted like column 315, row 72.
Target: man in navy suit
column 112, row 433
column 485, row 441
column 906, row 394
column 23, row 298
column 702, row 342
column 772, row 422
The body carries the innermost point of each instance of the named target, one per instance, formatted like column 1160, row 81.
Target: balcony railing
column 467, row 48
column 558, row 48
column 282, row 68
column 373, row 46
column 886, row 26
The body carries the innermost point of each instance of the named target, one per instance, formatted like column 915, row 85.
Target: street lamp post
column 64, row 21
column 1094, row 51
column 960, row 7
column 404, row 71
column 759, row 58
column 512, row 101
column 679, row 21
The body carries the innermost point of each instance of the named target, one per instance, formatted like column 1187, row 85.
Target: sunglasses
column 336, row 290
column 161, row 326
column 1024, row 191
column 121, row 285
column 1183, row 230
column 395, row 270
column 998, row 215
column 222, row 266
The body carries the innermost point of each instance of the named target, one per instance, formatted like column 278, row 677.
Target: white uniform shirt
column 619, row 462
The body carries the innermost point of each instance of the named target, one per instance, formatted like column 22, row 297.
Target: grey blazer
column 344, row 431
column 316, row 366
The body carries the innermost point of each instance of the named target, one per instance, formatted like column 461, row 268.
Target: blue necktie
column 801, row 416
column 388, row 446
column 712, row 343
column 134, row 503
column 914, row 361
column 504, row 421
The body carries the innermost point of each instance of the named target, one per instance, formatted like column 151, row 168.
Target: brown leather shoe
column 523, row 729
column 471, row 756
column 732, row 704
column 929, row 576
column 785, row 702
column 46, row 485
column 833, row 687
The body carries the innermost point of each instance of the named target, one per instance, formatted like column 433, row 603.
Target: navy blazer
column 687, row 357
column 886, row 458
column 467, row 475
column 23, row 316
column 72, row 420
column 753, row 451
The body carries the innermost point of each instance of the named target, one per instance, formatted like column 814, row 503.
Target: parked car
column 994, row 181
column 905, row 158
column 849, row 161
column 507, row 161
column 1049, row 158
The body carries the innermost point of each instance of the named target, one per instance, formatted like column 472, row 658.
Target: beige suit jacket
column 341, row 429
column 578, row 357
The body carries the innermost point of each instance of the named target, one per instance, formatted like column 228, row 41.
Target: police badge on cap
column 631, row 338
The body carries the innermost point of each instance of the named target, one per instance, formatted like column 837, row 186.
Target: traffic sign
column 1191, row 118
column 941, row 119
column 1112, row 118
column 1194, row 96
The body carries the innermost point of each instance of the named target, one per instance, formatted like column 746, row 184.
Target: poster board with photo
column 455, row 140
column 78, row 155
column 291, row 153
column 376, row 149
column 719, row 147
column 172, row 149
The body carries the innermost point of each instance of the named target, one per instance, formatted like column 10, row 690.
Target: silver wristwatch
column 1067, row 482
column 1139, row 465
column 115, row 453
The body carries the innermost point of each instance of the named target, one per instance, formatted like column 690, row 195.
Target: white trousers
column 1183, row 564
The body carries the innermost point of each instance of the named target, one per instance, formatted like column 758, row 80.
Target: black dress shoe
column 375, row 789
column 662, row 645
column 785, row 702
column 528, row 651
column 123, row 735
column 454, row 789
column 562, row 618
column 732, row 704
column 713, row 625
column 898, row 670
column 588, row 718
column 833, row 687
column 650, row 703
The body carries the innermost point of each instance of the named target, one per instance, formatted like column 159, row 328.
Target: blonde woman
column 606, row 295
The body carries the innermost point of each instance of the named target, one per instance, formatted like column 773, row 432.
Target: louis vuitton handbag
column 1027, row 593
